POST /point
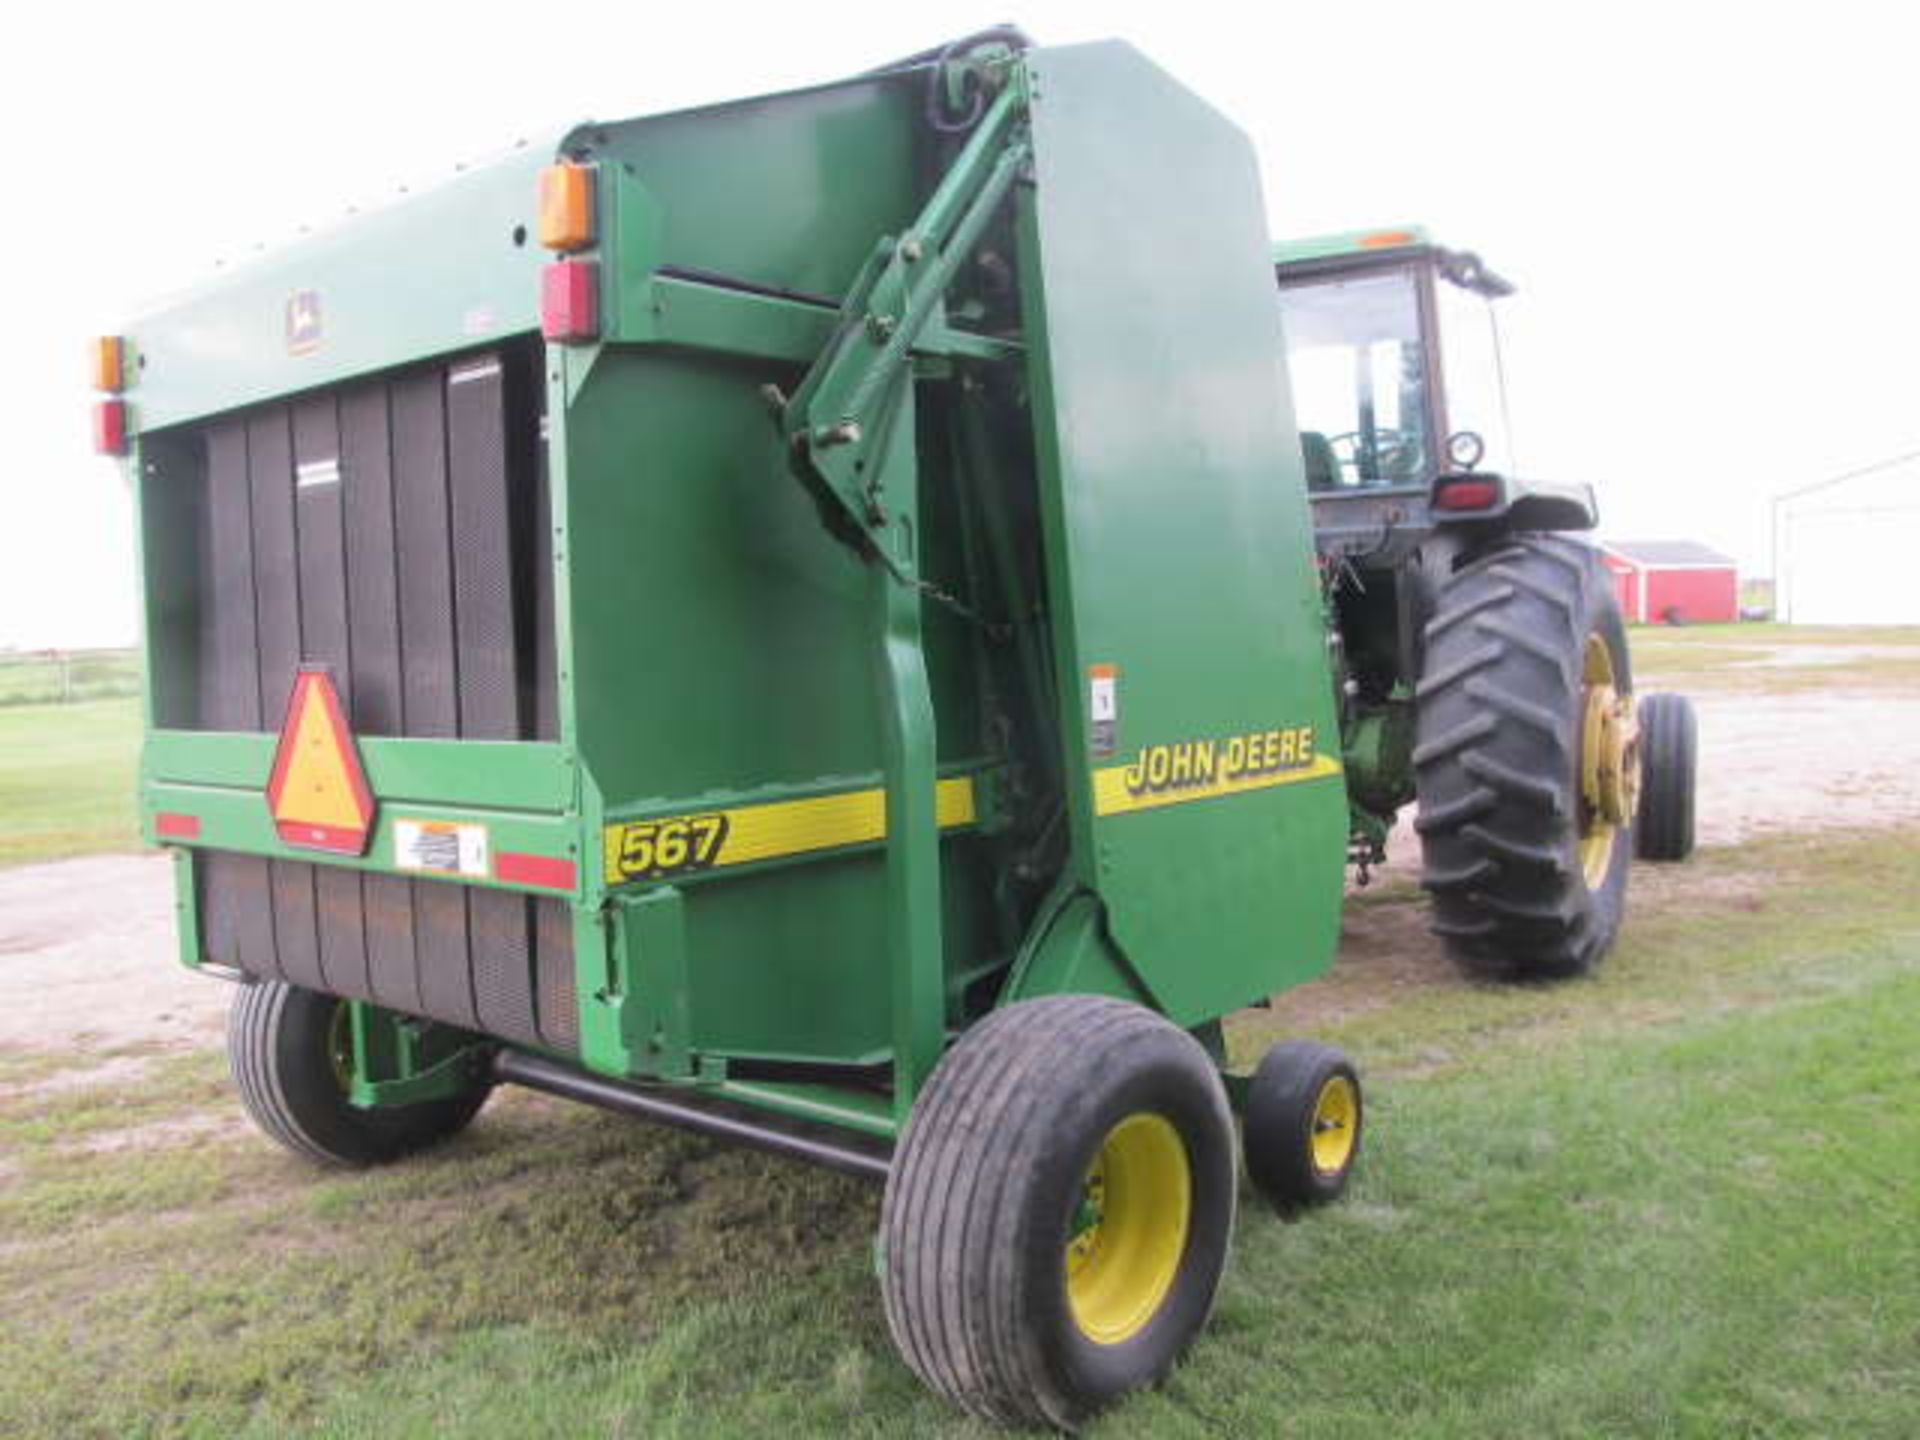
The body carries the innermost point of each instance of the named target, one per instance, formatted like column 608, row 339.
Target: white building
column 1848, row 553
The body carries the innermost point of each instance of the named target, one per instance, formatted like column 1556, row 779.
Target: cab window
column 1359, row 376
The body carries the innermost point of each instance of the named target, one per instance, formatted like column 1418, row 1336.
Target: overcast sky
column 1708, row 208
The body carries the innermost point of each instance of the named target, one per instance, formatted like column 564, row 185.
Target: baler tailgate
column 394, row 531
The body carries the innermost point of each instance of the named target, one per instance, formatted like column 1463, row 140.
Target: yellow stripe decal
column 670, row 845
column 1207, row 769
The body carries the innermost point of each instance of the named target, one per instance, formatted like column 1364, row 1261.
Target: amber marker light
column 110, row 364
column 566, row 207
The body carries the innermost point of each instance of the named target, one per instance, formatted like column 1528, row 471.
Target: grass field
column 46, row 678
column 1769, row 659
column 67, row 779
column 1673, row 1200
column 1769, row 632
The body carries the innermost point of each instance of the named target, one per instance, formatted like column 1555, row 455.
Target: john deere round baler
column 796, row 619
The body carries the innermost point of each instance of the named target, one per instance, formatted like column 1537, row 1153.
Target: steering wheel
column 1398, row 454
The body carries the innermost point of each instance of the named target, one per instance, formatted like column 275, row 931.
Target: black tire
column 280, row 1045
column 1497, row 761
column 1303, row 1091
column 992, row 1183
column 1664, row 827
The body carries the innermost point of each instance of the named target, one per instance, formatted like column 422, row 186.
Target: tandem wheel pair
column 1058, row 1214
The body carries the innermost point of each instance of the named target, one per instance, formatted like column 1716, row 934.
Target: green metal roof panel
column 458, row 266
column 785, row 191
column 454, row 266
column 1351, row 242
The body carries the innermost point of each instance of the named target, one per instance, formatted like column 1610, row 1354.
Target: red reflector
column 110, row 427
column 546, row 871
column 175, row 826
column 570, row 300
column 1467, row 495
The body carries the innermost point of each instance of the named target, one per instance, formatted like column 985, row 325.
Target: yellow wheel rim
column 1609, row 761
column 1336, row 1125
column 1130, row 1230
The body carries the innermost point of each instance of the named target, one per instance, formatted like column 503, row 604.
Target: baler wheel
column 1304, row 1119
column 292, row 1063
column 1664, row 828
column 1059, row 1210
column 1527, row 760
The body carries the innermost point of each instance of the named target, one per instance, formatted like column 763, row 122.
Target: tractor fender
column 1516, row 504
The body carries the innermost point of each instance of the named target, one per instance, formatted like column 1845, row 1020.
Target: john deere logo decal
column 303, row 321
column 1204, row 769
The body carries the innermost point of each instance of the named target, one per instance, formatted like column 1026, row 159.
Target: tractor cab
column 1378, row 323
column 1393, row 355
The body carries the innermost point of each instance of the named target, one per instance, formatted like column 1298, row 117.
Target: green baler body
column 1097, row 484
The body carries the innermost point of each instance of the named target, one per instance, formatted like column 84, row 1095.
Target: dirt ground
column 87, row 959
column 87, row 951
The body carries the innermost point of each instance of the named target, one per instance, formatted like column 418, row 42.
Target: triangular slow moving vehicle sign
column 319, row 796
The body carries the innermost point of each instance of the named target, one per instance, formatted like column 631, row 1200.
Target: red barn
column 1672, row 581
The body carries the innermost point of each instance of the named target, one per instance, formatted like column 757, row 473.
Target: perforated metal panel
column 393, row 971
column 229, row 682
column 483, row 578
column 396, row 530
column 489, row 960
column 553, row 962
column 423, row 558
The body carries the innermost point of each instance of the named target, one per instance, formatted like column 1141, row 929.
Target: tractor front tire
column 1664, row 829
column 292, row 1064
column 1524, row 712
column 1059, row 1210
column 1303, row 1120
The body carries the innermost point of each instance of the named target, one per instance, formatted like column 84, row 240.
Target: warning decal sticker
column 1103, row 709
column 684, row 844
column 444, row 846
column 1205, row 769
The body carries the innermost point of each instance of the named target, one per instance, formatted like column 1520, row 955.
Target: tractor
column 1479, row 654
column 800, row 619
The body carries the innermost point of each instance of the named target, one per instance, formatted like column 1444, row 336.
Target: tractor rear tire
column 1059, row 1210
column 1668, row 736
column 284, row 1045
column 1304, row 1119
column 1528, row 881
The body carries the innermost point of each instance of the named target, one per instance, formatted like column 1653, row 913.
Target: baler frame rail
column 668, row 1106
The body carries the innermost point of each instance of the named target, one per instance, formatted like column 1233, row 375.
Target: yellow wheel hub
column 1336, row 1125
column 1609, row 761
column 1130, row 1230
